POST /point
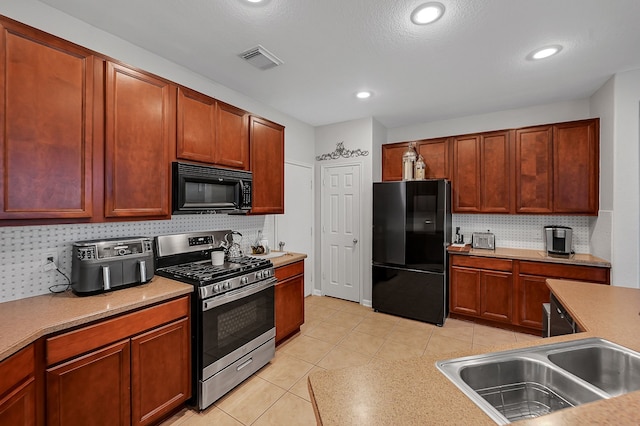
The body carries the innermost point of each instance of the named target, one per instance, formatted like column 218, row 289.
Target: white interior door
column 295, row 226
column 341, row 232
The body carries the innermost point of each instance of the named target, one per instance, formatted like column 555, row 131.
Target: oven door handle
column 237, row 294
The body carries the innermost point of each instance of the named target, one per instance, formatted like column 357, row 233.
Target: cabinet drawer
column 16, row 368
column 291, row 270
column 483, row 263
column 569, row 272
column 89, row 338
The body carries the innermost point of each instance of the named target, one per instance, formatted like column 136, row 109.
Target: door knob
column 355, row 241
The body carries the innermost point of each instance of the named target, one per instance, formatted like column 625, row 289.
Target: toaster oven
column 111, row 264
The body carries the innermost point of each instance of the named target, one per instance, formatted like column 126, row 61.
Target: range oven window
column 229, row 326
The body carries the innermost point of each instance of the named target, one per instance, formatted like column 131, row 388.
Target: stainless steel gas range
column 233, row 327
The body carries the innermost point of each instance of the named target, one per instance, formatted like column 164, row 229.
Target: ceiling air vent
column 261, row 58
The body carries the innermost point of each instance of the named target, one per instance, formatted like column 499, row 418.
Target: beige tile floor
column 336, row 334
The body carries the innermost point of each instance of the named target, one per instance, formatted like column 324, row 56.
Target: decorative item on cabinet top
column 408, row 162
column 341, row 151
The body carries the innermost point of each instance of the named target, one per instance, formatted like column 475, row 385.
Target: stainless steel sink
column 612, row 368
column 530, row 382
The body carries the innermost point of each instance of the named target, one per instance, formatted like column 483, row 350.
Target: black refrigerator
column 411, row 232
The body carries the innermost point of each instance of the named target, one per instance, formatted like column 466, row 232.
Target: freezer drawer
column 411, row 294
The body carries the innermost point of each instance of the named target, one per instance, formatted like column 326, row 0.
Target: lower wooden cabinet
column 289, row 299
column 160, row 371
column 496, row 296
column 509, row 292
column 532, row 291
column 91, row 389
column 480, row 291
column 138, row 377
column 18, row 389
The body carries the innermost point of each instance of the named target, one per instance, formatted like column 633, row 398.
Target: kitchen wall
column 356, row 134
column 21, row 248
column 618, row 230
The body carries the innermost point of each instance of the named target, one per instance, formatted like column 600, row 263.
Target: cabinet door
column 495, row 172
column 196, row 126
column 18, row 388
column 465, row 291
column 532, row 292
column 19, row 406
column 576, row 167
column 46, row 107
column 435, row 153
column 160, row 371
column 534, row 173
column 466, row 174
column 289, row 305
column 267, row 165
column 91, row 389
column 139, row 129
column 392, row 160
column 496, row 295
column 232, row 141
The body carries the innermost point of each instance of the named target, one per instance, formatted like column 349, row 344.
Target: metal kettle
column 231, row 247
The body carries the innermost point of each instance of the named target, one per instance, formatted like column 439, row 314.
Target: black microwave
column 207, row 189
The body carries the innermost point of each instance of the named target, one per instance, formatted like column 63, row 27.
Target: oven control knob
column 267, row 273
column 216, row 288
column 244, row 280
column 226, row 285
column 259, row 274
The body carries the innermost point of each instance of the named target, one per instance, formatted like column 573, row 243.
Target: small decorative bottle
column 408, row 162
column 420, row 169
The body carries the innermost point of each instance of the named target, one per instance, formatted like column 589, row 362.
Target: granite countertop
column 287, row 258
column 23, row 321
column 414, row 392
column 583, row 259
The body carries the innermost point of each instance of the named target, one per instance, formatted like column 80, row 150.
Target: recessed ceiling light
column 363, row 95
column 254, row 1
column 427, row 13
column 545, row 52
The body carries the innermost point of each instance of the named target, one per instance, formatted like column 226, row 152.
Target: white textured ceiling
column 471, row 61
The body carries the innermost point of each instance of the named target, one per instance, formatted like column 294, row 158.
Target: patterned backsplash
column 522, row 231
column 23, row 249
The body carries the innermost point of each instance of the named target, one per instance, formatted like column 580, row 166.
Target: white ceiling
column 471, row 61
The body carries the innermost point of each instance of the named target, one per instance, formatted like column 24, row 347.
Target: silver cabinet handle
column 355, row 241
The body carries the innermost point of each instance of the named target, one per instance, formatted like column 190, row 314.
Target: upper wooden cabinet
column 210, row 131
column 435, row 153
column 392, row 161
column 139, row 130
column 46, row 135
column 549, row 169
column 534, row 170
column 267, row 165
column 232, row 141
column 196, row 126
column 482, row 173
column 576, row 167
column 466, row 174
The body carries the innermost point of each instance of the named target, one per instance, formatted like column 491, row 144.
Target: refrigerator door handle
column 355, row 241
